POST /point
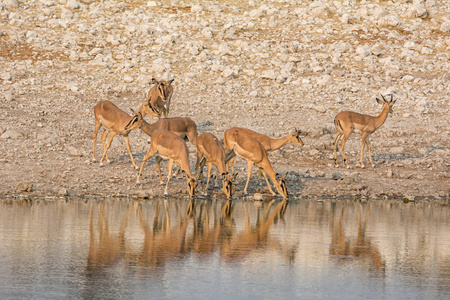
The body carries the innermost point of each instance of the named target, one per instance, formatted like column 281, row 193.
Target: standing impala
column 185, row 128
column 158, row 99
column 254, row 152
column 347, row 121
column 115, row 121
column 270, row 144
column 211, row 152
column 169, row 146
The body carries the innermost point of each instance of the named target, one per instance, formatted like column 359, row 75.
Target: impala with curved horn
column 347, row 121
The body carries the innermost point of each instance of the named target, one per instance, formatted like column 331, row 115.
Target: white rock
column 73, row 4
column 269, row 74
column 11, row 3
column 11, row 134
column 128, row 79
column 152, row 3
column 418, row 10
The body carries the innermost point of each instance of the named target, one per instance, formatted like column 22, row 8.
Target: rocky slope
column 265, row 65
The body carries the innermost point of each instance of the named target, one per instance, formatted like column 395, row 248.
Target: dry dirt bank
column 269, row 66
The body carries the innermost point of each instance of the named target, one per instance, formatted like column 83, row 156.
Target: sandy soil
column 48, row 94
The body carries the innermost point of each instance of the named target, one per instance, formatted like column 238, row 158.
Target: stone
column 337, row 176
column 74, row 151
column 24, row 187
column 63, row 192
column 12, row 134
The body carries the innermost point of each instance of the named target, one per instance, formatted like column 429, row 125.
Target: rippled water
column 176, row 249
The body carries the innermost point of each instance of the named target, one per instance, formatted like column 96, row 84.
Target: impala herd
column 168, row 137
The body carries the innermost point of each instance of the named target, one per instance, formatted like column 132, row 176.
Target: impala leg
column 249, row 173
column 363, row 144
column 267, row 181
column 105, row 154
column 231, row 164
column 170, row 165
column 127, row 142
column 369, row 146
column 343, row 141
column 147, row 155
column 335, row 146
column 158, row 164
column 97, row 127
column 209, row 167
column 104, row 136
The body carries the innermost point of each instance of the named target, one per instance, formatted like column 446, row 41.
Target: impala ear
column 232, row 178
column 170, row 81
column 380, row 101
column 153, row 81
column 284, row 176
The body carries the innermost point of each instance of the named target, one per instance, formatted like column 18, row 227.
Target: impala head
column 295, row 137
column 162, row 88
column 227, row 182
column 192, row 184
column 384, row 102
column 148, row 109
column 135, row 122
column 281, row 181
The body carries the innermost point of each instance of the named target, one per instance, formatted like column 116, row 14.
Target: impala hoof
column 373, row 166
column 138, row 182
column 363, row 167
column 166, row 193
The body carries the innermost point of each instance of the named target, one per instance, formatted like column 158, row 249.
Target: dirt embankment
column 262, row 65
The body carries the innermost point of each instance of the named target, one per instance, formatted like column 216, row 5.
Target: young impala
column 115, row 121
column 211, row 152
column 169, row 146
column 347, row 121
column 158, row 99
column 254, row 152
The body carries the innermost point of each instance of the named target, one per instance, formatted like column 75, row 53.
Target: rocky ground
column 266, row 65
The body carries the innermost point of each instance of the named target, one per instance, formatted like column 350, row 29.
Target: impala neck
column 379, row 120
column 147, row 128
column 278, row 143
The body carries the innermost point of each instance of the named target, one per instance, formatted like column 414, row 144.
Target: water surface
column 176, row 249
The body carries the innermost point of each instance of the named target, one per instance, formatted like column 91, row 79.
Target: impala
column 254, row 152
column 211, row 152
column 347, row 121
column 115, row 121
column 169, row 146
column 270, row 144
column 158, row 99
column 185, row 128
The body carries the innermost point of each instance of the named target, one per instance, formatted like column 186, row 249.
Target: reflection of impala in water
column 108, row 248
column 238, row 246
column 360, row 248
column 173, row 235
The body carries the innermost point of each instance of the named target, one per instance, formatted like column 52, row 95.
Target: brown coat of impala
column 270, row 144
column 254, row 152
column 115, row 121
column 158, row 99
column 169, row 146
column 347, row 121
column 211, row 152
